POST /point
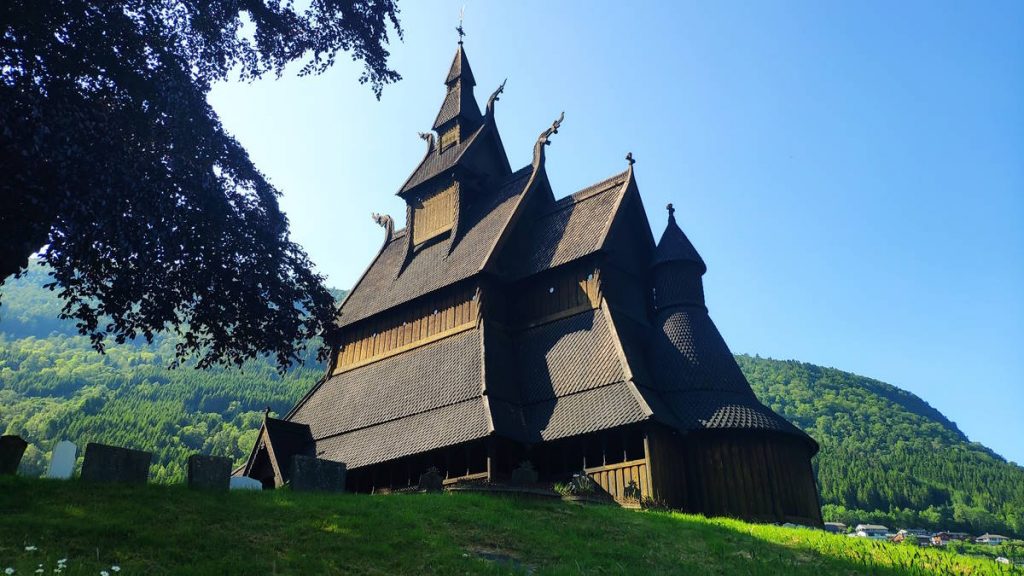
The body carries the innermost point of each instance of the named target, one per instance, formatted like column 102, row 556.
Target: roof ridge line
column 627, row 185
column 571, row 200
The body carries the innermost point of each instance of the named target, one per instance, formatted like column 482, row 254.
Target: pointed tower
column 465, row 155
column 736, row 446
column 677, row 269
column 459, row 115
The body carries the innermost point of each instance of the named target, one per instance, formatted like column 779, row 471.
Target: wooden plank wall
column 615, row 478
column 762, row 478
column 558, row 294
column 435, row 214
column 667, row 467
column 408, row 327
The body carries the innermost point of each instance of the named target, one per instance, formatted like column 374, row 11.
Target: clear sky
column 852, row 173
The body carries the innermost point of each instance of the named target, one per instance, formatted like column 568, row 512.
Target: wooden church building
column 505, row 324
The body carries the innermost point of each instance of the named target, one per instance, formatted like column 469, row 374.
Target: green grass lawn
column 160, row 529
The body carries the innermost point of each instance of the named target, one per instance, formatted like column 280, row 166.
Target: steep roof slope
column 387, row 283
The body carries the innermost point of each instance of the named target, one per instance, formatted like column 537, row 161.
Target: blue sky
column 853, row 173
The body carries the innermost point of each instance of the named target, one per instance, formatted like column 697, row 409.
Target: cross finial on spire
column 629, row 158
column 671, row 211
column 462, row 12
column 266, row 412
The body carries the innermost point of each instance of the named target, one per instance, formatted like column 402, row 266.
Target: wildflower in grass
column 9, row 571
column 104, row 573
column 115, row 568
column 30, row 548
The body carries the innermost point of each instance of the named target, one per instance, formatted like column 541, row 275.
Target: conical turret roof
column 675, row 246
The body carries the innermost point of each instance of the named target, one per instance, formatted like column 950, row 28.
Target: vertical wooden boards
column 408, row 326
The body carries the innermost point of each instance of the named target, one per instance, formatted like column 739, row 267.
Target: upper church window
column 434, row 215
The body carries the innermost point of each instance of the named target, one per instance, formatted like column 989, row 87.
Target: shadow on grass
column 169, row 529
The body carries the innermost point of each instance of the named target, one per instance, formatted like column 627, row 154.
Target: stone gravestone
column 524, row 474
column 12, row 448
column 245, row 483
column 311, row 474
column 431, row 480
column 115, row 464
column 62, row 461
column 209, row 472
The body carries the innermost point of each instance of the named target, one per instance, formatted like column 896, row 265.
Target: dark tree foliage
column 151, row 215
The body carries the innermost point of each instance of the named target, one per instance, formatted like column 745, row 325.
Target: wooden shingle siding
column 435, row 214
column 408, row 327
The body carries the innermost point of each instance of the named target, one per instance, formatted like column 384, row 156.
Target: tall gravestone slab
column 62, row 461
column 209, row 472
column 115, row 464
column 431, row 480
column 311, row 474
column 12, row 448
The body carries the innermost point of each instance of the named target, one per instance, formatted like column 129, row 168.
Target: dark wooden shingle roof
column 386, row 284
column 571, row 228
column 438, row 374
column 444, row 426
column 675, row 246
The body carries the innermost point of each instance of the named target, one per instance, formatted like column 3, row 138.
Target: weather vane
column 462, row 12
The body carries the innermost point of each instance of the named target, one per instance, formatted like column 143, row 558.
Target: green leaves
column 153, row 218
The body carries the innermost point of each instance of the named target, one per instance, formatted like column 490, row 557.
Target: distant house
column 922, row 537
column 835, row 527
column 876, row 531
column 991, row 539
column 943, row 538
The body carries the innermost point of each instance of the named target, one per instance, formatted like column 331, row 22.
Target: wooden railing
column 616, row 478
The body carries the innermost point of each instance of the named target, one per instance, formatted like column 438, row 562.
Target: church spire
column 459, row 108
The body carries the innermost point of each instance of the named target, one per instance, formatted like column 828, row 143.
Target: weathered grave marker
column 12, row 448
column 245, row 483
column 431, row 480
column 311, row 474
column 209, row 472
column 115, row 464
column 524, row 474
column 62, row 461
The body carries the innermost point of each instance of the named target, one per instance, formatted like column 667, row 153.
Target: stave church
column 507, row 324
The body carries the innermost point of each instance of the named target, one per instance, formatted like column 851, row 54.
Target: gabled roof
column 386, row 283
column 438, row 161
column 570, row 228
column 282, row 440
column 674, row 246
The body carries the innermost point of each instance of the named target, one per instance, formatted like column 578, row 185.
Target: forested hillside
column 53, row 385
column 886, row 454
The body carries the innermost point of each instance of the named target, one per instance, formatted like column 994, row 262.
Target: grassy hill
column 169, row 530
column 887, row 456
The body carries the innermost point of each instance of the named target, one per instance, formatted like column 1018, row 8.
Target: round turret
column 676, row 269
